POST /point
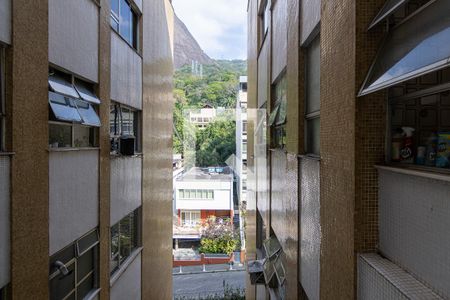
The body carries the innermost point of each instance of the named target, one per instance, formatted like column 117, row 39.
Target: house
column 204, row 192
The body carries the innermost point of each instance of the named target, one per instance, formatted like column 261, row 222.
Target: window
column 125, row 21
column 124, row 121
column 417, row 52
column 73, row 118
column 264, row 20
column 244, row 148
column 277, row 118
column 2, row 100
column 244, row 127
column 125, row 238
column 190, row 218
column 420, row 121
column 312, row 105
column 195, row 194
column 80, row 260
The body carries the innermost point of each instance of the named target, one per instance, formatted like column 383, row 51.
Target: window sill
column 420, row 171
column 310, row 157
column 114, row 277
column 70, row 149
column 278, row 150
column 7, row 153
column 118, row 155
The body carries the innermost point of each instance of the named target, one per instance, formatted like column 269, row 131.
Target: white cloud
column 219, row 26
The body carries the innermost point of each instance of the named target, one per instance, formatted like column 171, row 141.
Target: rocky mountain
column 186, row 48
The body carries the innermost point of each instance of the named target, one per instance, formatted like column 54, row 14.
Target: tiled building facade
column 85, row 149
column 337, row 88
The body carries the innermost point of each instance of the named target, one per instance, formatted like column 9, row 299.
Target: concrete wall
column 126, row 186
column 126, row 73
column 310, row 233
column 128, row 285
column 73, row 36
column 73, row 198
column 5, row 21
column 4, row 220
column 414, row 223
column 310, row 18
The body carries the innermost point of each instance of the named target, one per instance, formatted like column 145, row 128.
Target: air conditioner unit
column 127, row 145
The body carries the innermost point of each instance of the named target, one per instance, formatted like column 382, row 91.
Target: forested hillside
column 218, row 87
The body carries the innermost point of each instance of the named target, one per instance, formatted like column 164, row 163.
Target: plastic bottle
column 397, row 142
column 430, row 159
column 406, row 153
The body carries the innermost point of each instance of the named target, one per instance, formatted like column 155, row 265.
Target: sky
column 219, row 26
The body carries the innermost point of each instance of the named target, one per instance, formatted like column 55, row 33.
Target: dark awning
column 418, row 46
column 388, row 9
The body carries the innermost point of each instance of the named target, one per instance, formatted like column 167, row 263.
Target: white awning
column 388, row 9
column 418, row 46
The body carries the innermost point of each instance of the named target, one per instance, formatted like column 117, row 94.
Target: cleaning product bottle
column 432, row 141
column 397, row 142
column 406, row 153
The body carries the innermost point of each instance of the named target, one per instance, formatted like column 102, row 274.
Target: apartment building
column 241, row 139
column 348, row 173
column 203, row 116
column 86, row 122
column 201, row 193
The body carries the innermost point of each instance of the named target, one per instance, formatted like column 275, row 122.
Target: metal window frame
column 137, row 225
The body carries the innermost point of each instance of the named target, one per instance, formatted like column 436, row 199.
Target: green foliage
column 218, row 88
column 216, row 143
column 218, row 237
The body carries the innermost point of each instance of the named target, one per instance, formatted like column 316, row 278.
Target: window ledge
column 310, row 157
column 7, row 153
column 118, row 155
column 69, row 149
column 414, row 170
column 114, row 277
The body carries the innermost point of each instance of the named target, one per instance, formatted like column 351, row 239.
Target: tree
column 216, row 143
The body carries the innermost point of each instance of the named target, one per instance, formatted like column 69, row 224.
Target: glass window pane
column 115, row 7
column 64, row 108
column 210, row 194
column 313, row 136
column 273, row 114
column 126, row 121
column 388, row 9
column 85, row 287
column 87, row 242
column 85, row 264
column 60, row 136
column 86, row 93
column 114, row 128
column 81, row 136
column 204, row 194
column 281, row 118
column 114, row 24
column 88, row 113
column 313, row 77
column 61, row 286
column 60, row 85
column 126, row 21
column 114, row 259
column 416, row 47
column 125, row 238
